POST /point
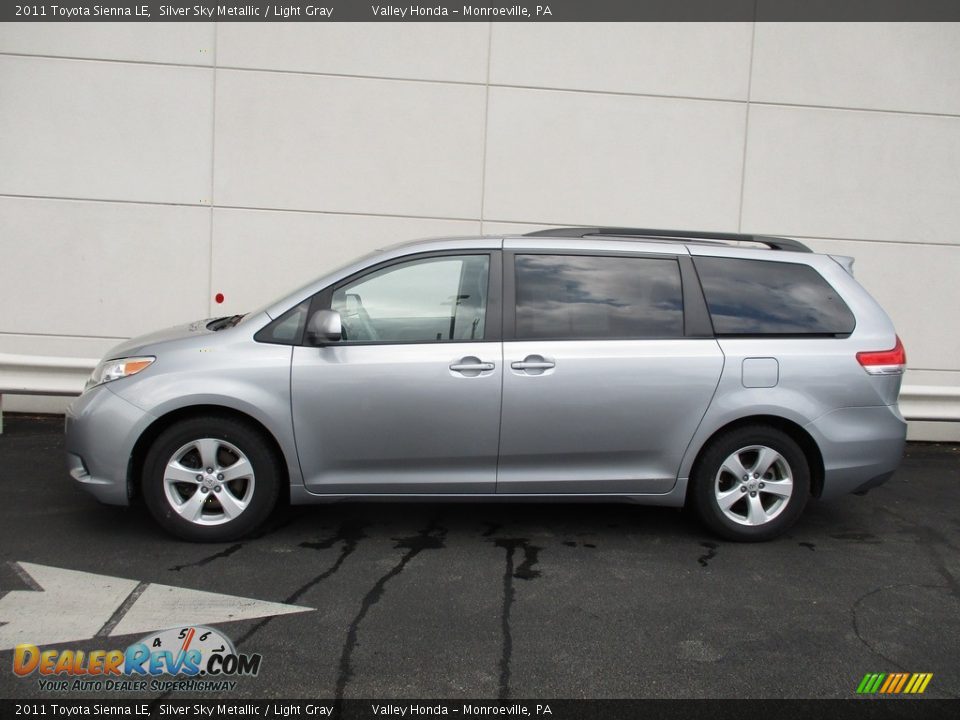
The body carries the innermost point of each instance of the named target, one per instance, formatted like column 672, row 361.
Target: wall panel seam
column 14, row 333
column 442, row 218
column 477, row 84
column 486, row 128
column 249, row 208
column 746, row 120
column 213, row 169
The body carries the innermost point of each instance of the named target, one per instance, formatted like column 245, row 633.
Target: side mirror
column 324, row 327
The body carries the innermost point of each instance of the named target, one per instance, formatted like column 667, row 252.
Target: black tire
column 707, row 482
column 260, row 490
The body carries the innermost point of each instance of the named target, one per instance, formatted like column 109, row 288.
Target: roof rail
column 774, row 243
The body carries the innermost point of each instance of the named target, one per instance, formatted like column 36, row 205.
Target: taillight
column 884, row 362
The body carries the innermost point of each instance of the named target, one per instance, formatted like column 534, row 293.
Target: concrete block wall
column 145, row 168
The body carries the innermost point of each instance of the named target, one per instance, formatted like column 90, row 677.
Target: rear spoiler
column 844, row 261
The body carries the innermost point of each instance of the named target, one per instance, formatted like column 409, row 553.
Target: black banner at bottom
column 874, row 709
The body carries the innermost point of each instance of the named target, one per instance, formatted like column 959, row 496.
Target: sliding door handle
column 532, row 365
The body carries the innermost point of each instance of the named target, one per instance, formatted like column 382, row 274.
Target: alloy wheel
column 208, row 481
column 753, row 485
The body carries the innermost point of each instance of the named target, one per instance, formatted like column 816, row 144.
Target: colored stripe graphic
column 899, row 679
column 903, row 681
column 893, row 680
column 870, row 683
column 894, row 683
column 920, row 684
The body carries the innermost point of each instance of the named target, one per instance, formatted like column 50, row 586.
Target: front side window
column 569, row 297
column 441, row 299
column 761, row 297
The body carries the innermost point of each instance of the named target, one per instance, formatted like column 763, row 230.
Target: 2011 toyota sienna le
column 651, row 366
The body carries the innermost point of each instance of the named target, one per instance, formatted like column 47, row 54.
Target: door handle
column 471, row 366
column 467, row 367
column 532, row 365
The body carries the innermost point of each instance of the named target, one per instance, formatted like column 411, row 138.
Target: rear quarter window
column 762, row 297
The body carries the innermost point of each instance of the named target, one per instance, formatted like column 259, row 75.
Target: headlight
column 109, row 370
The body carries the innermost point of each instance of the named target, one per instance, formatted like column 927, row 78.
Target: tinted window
column 287, row 328
column 572, row 297
column 429, row 300
column 758, row 297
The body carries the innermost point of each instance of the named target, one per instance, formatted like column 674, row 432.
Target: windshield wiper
column 224, row 322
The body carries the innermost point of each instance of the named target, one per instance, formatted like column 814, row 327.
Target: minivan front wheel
column 211, row 479
column 751, row 484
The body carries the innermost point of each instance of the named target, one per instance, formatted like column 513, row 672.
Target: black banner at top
column 478, row 11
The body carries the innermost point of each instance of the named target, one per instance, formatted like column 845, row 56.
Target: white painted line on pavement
column 73, row 605
column 70, row 605
column 162, row 606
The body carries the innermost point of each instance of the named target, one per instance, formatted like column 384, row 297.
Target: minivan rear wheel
column 751, row 484
column 211, row 479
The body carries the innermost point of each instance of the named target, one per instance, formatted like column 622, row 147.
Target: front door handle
column 533, row 365
column 467, row 367
column 471, row 366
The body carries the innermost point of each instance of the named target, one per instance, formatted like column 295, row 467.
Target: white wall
column 145, row 168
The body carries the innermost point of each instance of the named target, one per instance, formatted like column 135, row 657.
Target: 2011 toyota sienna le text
column 651, row 366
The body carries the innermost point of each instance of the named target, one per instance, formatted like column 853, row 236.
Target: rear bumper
column 101, row 431
column 861, row 447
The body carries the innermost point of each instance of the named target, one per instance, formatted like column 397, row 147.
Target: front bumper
column 861, row 447
column 101, row 431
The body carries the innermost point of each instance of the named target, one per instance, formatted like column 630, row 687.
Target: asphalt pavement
column 424, row 600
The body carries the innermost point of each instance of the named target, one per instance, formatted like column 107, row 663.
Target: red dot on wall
column 218, row 297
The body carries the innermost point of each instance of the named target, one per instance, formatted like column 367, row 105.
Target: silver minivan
column 737, row 374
